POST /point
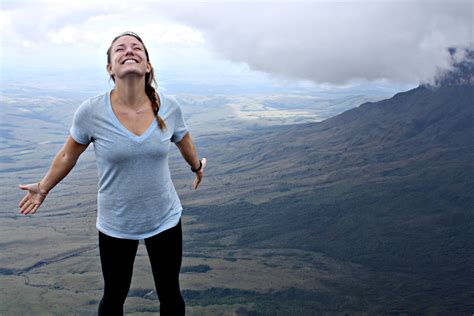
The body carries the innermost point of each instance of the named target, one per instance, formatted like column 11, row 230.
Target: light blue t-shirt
column 136, row 197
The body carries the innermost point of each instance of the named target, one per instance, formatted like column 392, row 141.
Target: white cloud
column 93, row 32
column 56, row 32
column 6, row 18
column 174, row 33
column 336, row 42
column 69, row 35
column 90, row 23
column 325, row 42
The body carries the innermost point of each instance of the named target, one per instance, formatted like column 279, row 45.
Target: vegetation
column 201, row 268
column 369, row 212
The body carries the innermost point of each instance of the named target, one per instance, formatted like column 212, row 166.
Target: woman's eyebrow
column 133, row 44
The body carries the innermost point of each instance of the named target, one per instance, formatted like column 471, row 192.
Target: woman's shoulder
column 93, row 104
column 168, row 101
column 166, row 97
column 100, row 98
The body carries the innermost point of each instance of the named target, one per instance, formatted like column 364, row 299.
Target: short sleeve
column 180, row 127
column 81, row 129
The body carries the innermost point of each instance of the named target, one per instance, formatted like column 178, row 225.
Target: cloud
column 462, row 73
column 88, row 22
column 335, row 42
column 92, row 31
column 50, row 33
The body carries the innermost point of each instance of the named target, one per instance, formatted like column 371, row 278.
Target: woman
column 131, row 127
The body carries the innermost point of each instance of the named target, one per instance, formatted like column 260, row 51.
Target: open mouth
column 130, row 61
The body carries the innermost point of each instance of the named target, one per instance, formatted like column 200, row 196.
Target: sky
column 314, row 42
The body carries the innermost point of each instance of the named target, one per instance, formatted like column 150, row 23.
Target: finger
column 23, row 186
column 35, row 209
column 196, row 182
column 25, row 208
column 28, row 209
column 32, row 207
column 23, row 200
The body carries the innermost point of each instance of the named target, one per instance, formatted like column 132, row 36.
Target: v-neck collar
column 119, row 124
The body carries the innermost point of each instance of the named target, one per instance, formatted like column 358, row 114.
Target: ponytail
column 154, row 98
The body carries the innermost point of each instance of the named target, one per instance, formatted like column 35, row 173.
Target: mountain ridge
column 388, row 185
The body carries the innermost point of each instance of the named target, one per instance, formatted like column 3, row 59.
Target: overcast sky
column 335, row 42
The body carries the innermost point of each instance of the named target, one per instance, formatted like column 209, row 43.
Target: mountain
column 368, row 212
column 388, row 185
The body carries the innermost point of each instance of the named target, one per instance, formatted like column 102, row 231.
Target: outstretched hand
column 199, row 174
column 32, row 200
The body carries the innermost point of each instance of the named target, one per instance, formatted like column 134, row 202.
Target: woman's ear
column 109, row 69
column 148, row 67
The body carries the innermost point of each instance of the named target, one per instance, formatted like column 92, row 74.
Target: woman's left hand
column 199, row 174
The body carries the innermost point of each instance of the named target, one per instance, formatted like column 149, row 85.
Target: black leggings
column 117, row 257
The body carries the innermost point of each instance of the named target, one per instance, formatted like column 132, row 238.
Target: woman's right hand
column 64, row 161
column 32, row 201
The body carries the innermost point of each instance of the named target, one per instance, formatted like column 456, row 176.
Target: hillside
column 368, row 212
column 388, row 185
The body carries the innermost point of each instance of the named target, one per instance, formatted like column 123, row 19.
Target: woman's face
column 128, row 57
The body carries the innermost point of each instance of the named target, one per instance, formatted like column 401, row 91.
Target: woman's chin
column 130, row 73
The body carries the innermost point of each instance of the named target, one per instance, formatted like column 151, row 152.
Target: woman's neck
column 130, row 94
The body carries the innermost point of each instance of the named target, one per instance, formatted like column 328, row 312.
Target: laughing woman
column 131, row 127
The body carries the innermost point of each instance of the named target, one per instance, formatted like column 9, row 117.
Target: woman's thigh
column 165, row 251
column 117, row 257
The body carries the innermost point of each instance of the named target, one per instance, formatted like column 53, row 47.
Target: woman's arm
column 62, row 164
column 188, row 151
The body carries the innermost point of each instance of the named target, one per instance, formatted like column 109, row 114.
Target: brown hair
column 149, row 79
